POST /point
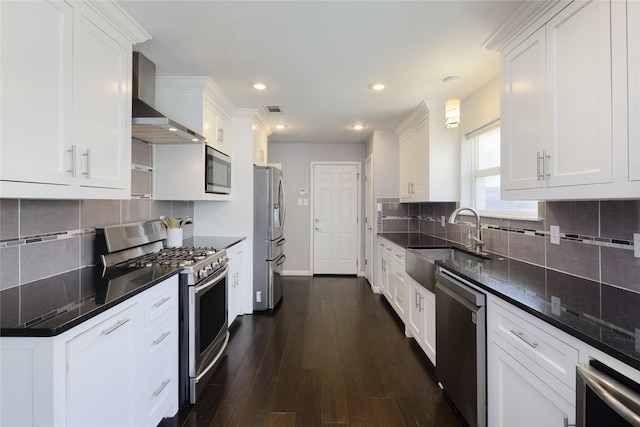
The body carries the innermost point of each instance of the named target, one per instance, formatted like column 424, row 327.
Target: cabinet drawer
column 160, row 338
column 160, row 392
column 159, row 300
column 556, row 357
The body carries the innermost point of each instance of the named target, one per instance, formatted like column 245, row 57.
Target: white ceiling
column 318, row 57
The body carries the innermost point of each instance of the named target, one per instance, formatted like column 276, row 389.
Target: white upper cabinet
column 36, row 91
column 102, row 104
column 563, row 107
column 65, row 99
column 427, row 160
column 198, row 103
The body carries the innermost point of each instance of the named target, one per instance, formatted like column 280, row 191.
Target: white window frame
column 469, row 159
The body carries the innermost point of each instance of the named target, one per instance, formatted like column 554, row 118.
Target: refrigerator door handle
column 284, row 200
column 281, row 242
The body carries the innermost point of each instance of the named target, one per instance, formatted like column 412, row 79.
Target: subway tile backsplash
column 596, row 236
column 42, row 238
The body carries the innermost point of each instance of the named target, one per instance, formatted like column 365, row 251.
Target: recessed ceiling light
column 377, row 87
column 172, row 129
column 280, row 127
column 358, row 126
column 259, row 86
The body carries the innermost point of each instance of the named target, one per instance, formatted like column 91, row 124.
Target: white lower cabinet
column 422, row 318
column 393, row 285
column 101, row 372
column 519, row 398
column 530, row 370
column 119, row 368
column 236, row 281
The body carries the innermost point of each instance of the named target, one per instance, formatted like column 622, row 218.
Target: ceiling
column 319, row 57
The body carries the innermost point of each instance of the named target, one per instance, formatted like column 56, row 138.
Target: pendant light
column 452, row 106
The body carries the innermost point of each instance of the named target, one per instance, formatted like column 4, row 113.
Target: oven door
column 208, row 326
column 605, row 397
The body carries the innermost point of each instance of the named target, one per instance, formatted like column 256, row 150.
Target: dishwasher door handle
column 458, row 286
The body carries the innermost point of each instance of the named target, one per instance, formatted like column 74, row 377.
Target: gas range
column 140, row 245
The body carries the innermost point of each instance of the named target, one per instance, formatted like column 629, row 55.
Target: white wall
column 235, row 218
column 477, row 110
column 296, row 167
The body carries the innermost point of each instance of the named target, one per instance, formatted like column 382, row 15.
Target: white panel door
column 335, row 219
column 369, row 220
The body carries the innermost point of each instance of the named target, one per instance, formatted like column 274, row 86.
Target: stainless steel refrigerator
column 268, row 236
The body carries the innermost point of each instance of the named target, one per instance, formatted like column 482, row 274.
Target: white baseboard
column 295, row 273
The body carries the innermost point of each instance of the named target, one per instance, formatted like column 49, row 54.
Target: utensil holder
column 174, row 237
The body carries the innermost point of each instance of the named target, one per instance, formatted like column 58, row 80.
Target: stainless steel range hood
column 147, row 123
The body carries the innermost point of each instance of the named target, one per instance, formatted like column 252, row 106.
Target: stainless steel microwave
column 217, row 172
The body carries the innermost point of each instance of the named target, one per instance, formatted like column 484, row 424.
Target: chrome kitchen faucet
column 476, row 244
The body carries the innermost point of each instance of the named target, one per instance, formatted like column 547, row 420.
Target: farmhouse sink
column 420, row 263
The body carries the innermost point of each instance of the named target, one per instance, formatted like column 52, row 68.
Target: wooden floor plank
column 332, row 353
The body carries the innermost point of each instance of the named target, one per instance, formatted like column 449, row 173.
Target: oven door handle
column 612, row 394
column 213, row 281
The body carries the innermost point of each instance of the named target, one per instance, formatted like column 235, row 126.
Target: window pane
column 489, row 150
column 488, row 197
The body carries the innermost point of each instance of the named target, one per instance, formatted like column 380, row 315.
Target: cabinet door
column 209, row 127
column 523, row 113
column 416, row 312
column 223, row 134
column 578, row 43
column 382, row 272
column 259, row 149
column 633, row 90
column 401, row 291
column 429, row 336
column 36, row 91
column 406, row 171
column 235, row 279
column 420, row 159
column 102, row 372
column 102, row 103
column 518, row 398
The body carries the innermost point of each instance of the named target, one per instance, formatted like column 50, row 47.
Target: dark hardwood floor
column 332, row 353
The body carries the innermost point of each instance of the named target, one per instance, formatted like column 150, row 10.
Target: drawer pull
column 162, row 386
column 398, row 274
column 161, row 338
column 116, row 326
column 399, row 256
column 162, row 301
column 520, row 335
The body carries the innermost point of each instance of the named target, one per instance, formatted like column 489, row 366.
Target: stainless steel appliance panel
column 461, row 344
column 269, row 241
column 605, row 397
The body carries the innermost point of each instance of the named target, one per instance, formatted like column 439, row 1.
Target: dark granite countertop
column 217, row 242
column 605, row 317
column 51, row 306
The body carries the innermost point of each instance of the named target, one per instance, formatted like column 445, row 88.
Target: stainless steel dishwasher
column 461, row 345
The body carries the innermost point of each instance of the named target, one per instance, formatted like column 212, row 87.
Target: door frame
column 358, row 164
column 369, row 248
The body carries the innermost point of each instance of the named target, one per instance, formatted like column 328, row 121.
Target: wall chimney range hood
column 148, row 124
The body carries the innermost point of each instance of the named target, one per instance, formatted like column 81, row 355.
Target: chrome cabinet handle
column 162, row 301
column 161, row 338
column 520, row 335
column 72, row 150
column 162, row 386
column 545, row 165
column 538, row 159
column 87, row 154
column 114, row 327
